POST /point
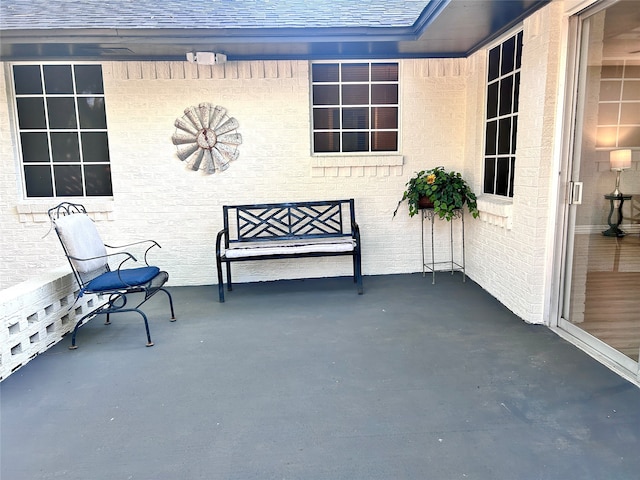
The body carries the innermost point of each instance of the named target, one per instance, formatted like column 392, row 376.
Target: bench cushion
column 293, row 247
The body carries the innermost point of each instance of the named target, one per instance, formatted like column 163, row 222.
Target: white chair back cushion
column 81, row 239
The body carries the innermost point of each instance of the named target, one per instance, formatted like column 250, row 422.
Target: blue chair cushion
column 123, row 279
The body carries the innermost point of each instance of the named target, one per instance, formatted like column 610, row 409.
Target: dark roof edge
column 538, row 5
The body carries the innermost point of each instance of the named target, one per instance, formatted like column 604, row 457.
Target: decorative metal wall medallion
column 206, row 138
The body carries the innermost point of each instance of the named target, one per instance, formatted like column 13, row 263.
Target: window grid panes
column 503, row 90
column 62, row 130
column 619, row 105
column 355, row 107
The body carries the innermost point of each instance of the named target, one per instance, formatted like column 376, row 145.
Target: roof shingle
column 183, row 14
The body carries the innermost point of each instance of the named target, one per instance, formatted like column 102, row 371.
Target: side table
column 616, row 204
column 429, row 215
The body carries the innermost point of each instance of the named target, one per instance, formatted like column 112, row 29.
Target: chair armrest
column 153, row 244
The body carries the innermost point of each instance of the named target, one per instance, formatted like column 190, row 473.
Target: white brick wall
column 156, row 197
column 442, row 102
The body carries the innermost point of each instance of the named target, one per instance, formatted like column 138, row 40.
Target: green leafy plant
column 448, row 191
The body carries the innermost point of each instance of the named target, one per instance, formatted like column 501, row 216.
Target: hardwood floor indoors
column 612, row 307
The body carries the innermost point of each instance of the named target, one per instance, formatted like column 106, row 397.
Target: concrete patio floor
column 308, row 380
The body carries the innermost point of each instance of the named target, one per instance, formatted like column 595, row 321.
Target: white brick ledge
column 36, row 314
column 496, row 210
column 356, row 165
column 36, row 212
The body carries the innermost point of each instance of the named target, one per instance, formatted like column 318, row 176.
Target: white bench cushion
column 255, row 249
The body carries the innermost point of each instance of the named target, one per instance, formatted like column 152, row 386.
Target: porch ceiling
column 256, row 30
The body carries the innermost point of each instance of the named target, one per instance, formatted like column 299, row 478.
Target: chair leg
column 80, row 323
column 146, row 327
column 73, row 345
column 173, row 315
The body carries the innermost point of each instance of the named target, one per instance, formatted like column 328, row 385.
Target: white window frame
column 356, row 154
column 519, row 31
column 14, row 98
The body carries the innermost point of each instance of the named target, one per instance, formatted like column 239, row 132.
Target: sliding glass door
column 601, row 297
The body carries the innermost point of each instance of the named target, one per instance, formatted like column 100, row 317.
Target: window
column 355, row 107
column 503, row 86
column 63, row 130
column 619, row 105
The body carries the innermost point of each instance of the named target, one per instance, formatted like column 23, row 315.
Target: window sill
column 496, row 210
column 355, row 165
column 31, row 211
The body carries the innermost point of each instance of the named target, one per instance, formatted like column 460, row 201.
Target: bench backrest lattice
column 290, row 221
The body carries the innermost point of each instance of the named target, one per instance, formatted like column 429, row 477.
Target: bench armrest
column 224, row 233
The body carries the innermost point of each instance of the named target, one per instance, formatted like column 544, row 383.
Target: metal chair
column 89, row 260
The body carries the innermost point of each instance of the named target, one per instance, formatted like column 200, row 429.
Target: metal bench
column 288, row 230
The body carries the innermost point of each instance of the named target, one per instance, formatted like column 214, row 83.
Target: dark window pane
column 326, row 118
column 494, row 63
column 27, row 79
column 57, row 79
column 512, row 162
column 384, row 117
column 506, row 93
column 89, row 79
column 384, row 94
column 64, row 147
column 611, row 71
column 355, row 118
column 31, row 113
column 504, row 136
column 355, row 94
column 492, row 100
column 516, row 93
column 326, row 95
column 62, row 112
column 92, row 113
column 68, row 180
column 95, row 147
column 519, row 50
column 38, row 181
column 98, row 180
column 34, row 147
column 355, row 72
column 326, row 142
column 491, row 138
column 508, row 56
column 325, row 72
column 514, row 134
column 384, row 141
column 489, row 175
column 502, row 176
column 384, row 72
column 355, row 142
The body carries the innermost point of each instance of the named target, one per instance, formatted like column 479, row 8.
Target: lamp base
column 614, row 231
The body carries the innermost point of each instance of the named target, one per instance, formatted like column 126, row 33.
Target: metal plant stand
column 429, row 215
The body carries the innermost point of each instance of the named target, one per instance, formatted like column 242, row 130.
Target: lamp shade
column 620, row 159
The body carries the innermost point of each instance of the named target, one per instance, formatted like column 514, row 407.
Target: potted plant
column 443, row 191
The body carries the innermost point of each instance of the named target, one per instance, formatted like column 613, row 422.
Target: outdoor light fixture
column 206, row 58
column 620, row 160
